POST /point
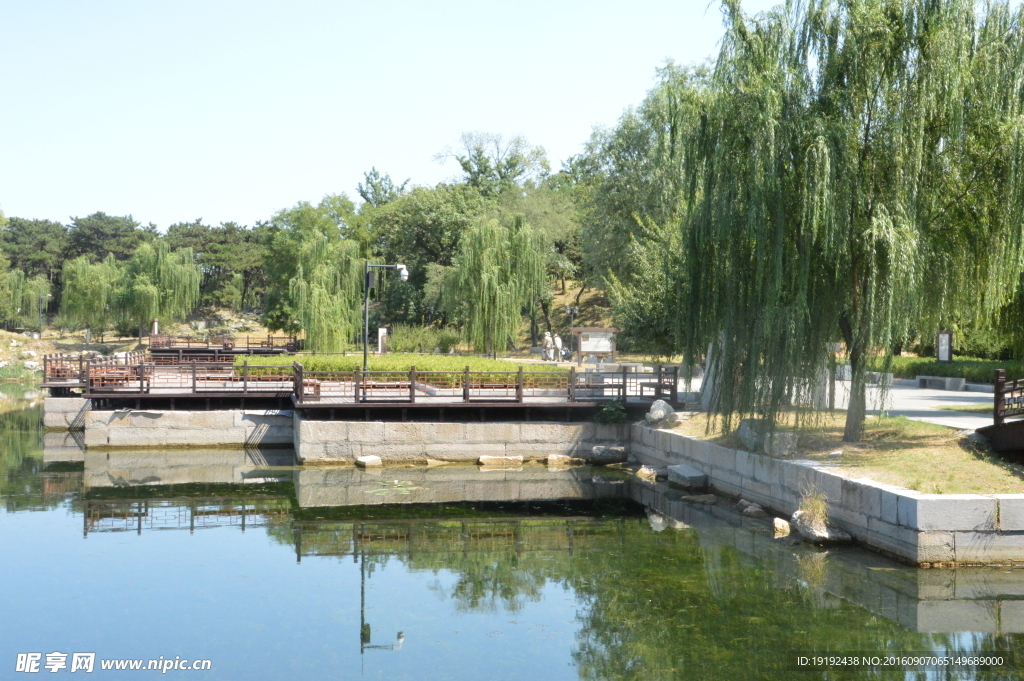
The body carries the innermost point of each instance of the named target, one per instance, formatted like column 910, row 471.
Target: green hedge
column 393, row 362
column 974, row 370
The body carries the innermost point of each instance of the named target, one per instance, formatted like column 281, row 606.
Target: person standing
column 558, row 348
column 549, row 346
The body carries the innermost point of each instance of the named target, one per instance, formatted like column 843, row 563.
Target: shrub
column 391, row 362
column 613, row 412
column 974, row 370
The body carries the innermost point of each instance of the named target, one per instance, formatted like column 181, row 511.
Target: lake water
column 275, row 572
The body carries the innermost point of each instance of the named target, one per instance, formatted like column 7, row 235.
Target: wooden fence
column 143, row 374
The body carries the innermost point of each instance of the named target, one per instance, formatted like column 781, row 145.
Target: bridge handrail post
column 999, row 401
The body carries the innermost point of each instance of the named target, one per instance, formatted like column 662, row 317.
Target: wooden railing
column 144, row 374
column 1008, row 399
column 247, row 343
column 194, row 378
column 468, row 386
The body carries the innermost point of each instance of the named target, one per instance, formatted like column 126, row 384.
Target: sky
column 230, row 111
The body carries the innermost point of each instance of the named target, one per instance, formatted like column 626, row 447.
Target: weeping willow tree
column 500, row 269
column 157, row 283
column 89, row 293
column 26, row 298
column 326, row 291
column 857, row 173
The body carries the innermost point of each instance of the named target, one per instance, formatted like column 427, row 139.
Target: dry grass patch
column 973, row 408
column 895, row 450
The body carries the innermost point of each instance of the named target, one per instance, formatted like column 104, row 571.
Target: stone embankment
column 926, row 529
column 399, row 441
column 331, row 441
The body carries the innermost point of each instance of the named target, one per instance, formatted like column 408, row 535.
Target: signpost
column 944, row 346
column 594, row 341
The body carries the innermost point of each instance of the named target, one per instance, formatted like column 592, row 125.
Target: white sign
column 945, row 346
column 597, row 341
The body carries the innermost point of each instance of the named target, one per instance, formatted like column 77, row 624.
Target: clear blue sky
column 219, row 110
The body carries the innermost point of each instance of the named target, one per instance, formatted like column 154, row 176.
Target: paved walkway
column 923, row 405
column 918, row 404
column 914, row 403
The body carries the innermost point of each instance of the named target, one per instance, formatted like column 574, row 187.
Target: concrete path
column 917, row 404
column 923, row 405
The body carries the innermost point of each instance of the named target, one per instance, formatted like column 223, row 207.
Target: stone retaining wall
column 401, row 441
column 179, row 429
column 920, row 528
column 65, row 413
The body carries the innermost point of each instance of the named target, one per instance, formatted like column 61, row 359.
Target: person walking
column 558, row 348
column 549, row 346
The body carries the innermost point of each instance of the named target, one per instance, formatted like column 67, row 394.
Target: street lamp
column 41, row 299
column 368, row 282
column 572, row 311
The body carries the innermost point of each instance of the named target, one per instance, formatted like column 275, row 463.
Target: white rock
column 29, row 353
column 562, row 460
column 817, row 532
column 836, row 454
column 742, row 504
column 500, row 461
column 601, row 455
column 781, row 527
column 647, row 473
column 4, row 363
column 369, row 461
column 755, row 511
column 31, row 366
column 661, row 415
column 437, row 462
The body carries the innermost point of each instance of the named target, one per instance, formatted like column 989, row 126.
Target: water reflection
column 460, row 573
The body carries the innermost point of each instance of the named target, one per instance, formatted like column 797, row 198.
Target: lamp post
column 368, row 282
column 572, row 311
column 41, row 299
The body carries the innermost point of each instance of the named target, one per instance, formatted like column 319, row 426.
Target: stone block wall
column 920, row 528
column 401, row 441
column 64, row 413
column 180, row 429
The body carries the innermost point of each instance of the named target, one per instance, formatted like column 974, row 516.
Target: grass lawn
column 897, row 451
column 973, row 408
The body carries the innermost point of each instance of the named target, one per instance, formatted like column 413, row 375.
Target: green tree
column 857, row 172
column 500, row 269
column 634, row 173
column 283, row 250
column 230, row 257
column 379, row 189
column 493, row 164
column 157, row 283
column 327, row 291
column 35, row 246
column 90, row 292
column 27, row 298
column 420, row 229
column 99, row 234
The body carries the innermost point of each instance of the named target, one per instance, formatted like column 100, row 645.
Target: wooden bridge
column 144, row 376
